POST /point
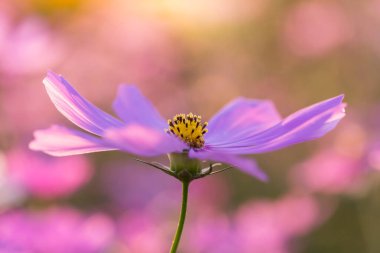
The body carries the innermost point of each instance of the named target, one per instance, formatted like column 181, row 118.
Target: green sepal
column 185, row 168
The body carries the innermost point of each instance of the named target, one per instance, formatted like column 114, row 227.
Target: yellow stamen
column 188, row 128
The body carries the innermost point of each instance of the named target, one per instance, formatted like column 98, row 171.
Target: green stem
column 181, row 222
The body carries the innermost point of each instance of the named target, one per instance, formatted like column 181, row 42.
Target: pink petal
column 131, row 106
column 239, row 117
column 307, row 124
column 76, row 108
column 61, row 141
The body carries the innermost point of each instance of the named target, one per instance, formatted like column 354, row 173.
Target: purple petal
column 61, row 141
column 131, row 106
column 240, row 117
column 75, row 108
column 306, row 124
column 246, row 165
column 142, row 140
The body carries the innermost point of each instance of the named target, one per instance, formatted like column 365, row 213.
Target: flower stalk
column 181, row 222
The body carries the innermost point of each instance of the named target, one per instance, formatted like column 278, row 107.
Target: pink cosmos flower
column 242, row 127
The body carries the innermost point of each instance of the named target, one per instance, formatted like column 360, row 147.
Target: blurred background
column 323, row 196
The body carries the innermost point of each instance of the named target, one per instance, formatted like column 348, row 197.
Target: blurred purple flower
column 45, row 177
column 56, row 230
column 242, row 127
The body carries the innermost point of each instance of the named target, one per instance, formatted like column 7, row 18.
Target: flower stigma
column 189, row 128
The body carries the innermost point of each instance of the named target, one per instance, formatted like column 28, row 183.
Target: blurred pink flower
column 46, row 177
column 259, row 226
column 27, row 48
column 56, row 230
column 270, row 226
column 211, row 232
column 329, row 171
column 142, row 233
column 339, row 168
column 315, row 28
column 23, row 46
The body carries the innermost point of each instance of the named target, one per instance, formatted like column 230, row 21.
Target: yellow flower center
column 189, row 128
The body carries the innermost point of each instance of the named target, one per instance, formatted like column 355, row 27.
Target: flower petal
column 239, row 117
column 142, row 140
column 306, row 124
column 244, row 164
column 131, row 106
column 61, row 141
column 75, row 108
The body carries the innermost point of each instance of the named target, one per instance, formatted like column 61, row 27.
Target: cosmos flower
column 242, row 127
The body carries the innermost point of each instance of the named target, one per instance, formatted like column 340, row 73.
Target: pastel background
column 192, row 56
